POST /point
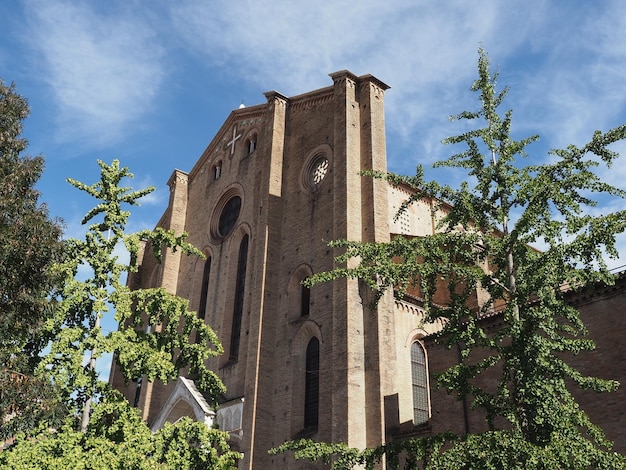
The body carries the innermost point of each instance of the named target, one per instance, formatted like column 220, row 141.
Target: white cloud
column 425, row 51
column 104, row 70
column 565, row 64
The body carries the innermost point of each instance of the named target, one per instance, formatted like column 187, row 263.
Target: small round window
column 317, row 166
column 316, row 171
column 319, row 169
column 229, row 216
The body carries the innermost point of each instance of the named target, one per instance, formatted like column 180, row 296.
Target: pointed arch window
column 206, row 274
column 305, row 300
column 235, row 334
column 419, row 380
column 250, row 144
column 312, row 384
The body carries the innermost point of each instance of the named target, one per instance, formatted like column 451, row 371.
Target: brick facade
column 294, row 163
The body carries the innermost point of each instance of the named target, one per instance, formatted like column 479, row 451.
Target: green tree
column 152, row 341
column 29, row 246
column 485, row 242
column 116, row 438
column 140, row 349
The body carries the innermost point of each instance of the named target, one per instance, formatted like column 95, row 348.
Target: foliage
column 153, row 341
column 409, row 453
column 29, row 246
column 492, row 450
column 154, row 325
column 484, row 244
column 116, row 438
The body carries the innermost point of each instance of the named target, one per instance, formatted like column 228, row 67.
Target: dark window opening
column 312, row 384
column 204, row 289
column 229, row 216
column 137, row 392
column 251, row 144
column 235, row 334
column 305, row 300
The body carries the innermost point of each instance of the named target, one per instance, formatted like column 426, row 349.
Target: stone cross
column 232, row 142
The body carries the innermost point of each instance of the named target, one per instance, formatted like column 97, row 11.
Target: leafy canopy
column 484, row 244
column 29, row 246
column 153, row 341
column 116, row 438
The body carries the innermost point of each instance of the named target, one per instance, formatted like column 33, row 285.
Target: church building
column 278, row 182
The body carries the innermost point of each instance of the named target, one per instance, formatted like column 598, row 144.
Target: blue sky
column 151, row 82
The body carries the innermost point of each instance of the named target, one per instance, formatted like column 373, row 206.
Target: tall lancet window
column 235, row 334
column 312, row 384
column 305, row 300
column 419, row 379
column 206, row 273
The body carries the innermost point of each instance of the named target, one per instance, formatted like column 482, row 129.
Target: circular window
column 229, row 215
column 317, row 166
column 315, row 171
column 319, row 169
column 226, row 214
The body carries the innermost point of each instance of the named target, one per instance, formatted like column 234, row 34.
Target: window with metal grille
column 235, row 333
column 312, row 384
column 419, row 379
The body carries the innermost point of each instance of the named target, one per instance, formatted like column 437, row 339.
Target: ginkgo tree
column 485, row 241
column 157, row 353
column 158, row 338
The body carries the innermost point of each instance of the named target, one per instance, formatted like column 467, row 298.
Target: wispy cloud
column 423, row 50
column 103, row 69
column 565, row 64
column 427, row 52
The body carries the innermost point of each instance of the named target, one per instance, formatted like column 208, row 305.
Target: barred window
column 419, row 379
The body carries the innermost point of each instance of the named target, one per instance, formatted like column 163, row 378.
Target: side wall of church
column 602, row 311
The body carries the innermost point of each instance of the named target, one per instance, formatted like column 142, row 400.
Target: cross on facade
column 232, row 142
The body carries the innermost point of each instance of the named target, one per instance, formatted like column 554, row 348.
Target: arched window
column 298, row 295
column 250, row 144
column 235, row 333
column 229, row 216
column 137, row 392
column 205, row 288
column 312, row 384
column 217, row 170
column 305, row 300
column 419, row 380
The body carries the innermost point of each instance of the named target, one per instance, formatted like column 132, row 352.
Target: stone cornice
column 597, row 292
column 382, row 86
column 311, row 99
column 177, row 176
column 342, row 76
